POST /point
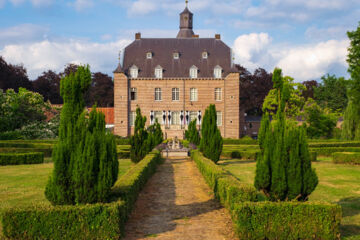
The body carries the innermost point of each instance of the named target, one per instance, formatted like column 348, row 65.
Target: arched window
column 158, row 72
column 193, row 72
column 217, row 72
column 134, row 71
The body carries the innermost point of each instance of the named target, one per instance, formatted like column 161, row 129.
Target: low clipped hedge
column 47, row 151
column 268, row 220
column 328, row 151
column 235, row 154
column 313, row 156
column 334, row 144
column 21, row 158
column 122, row 141
column 123, row 154
column 91, row 221
column 346, row 157
column 227, row 189
column 287, row 220
column 244, row 141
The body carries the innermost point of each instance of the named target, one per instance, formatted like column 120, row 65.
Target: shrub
column 235, row 154
column 138, row 141
column 211, row 143
column 47, row 151
column 346, row 157
column 95, row 221
column 122, row 141
column 21, row 158
column 287, row 220
column 328, row 151
column 245, row 141
column 123, row 154
column 192, row 134
column 313, row 156
column 334, row 144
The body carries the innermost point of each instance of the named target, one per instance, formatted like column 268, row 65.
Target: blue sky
column 305, row 38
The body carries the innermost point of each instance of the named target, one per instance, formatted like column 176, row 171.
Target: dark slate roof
column 118, row 69
column 190, row 50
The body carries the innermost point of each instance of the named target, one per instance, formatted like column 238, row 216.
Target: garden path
column 177, row 204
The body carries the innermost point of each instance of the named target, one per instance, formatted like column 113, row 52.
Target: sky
column 306, row 38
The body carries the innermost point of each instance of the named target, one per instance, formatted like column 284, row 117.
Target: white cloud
column 44, row 55
column 2, row 3
column 36, row 3
column 81, row 5
column 334, row 32
column 22, row 33
column 142, row 7
column 302, row 62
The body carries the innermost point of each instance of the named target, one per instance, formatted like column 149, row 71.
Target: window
column 132, row 118
column 175, row 118
column 204, row 55
column 193, row 72
column 133, row 94
column 219, row 118
column 193, row 115
column 217, row 72
column 149, row 55
column 158, row 94
column 158, row 72
column 193, row 94
column 175, row 94
column 218, row 94
column 176, row 55
column 134, row 71
column 158, row 116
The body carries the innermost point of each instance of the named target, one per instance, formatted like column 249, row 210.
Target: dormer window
column 217, row 72
column 134, row 71
column 176, row 55
column 158, row 72
column 193, row 72
column 204, row 55
column 149, row 55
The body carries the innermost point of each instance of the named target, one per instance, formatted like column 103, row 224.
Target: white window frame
column 132, row 118
column 175, row 94
column 134, row 72
column 175, row 118
column 133, row 90
column 176, row 55
column 218, row 94
column 193, row 115
column 193, row 72
column 204, row 55
column 219, row 118
column 193, row 94
column 158, row 94
column 218, row 72
column 158, row 115
column 158, row 72
column 149, row 55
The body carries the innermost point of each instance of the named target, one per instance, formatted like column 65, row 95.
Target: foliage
column 121, row 140
column 85, row 158
column 211, row 141
column 293, row 105
column 138, row 141
column 155, row 136
column 254, row 88
column 20, row 109
column 245, row 141
column 309, row 91
column 21, row 158
column 283, row 169
column 48, row 85
column 192, row 134
column 320, row 122
column 346, row 157
column 332, row 93
column 13, row 76
column 263, row 220
column 101, row 91
column 328, row 151
column 351, row 125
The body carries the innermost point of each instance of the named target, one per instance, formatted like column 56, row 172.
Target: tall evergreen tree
column 351, row 125
column 211, row 142
column 138, row 142
column 283, row 170
column 192, row 134
column 85, row 160
column 155, row 136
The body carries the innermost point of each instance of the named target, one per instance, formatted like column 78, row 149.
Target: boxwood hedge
column 21, row 158
column 92, row 221
column 328, row 151
column 346, row 157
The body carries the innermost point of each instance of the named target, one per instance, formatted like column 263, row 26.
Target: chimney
column 138, row 36
column 217, row 36
column 195, row 36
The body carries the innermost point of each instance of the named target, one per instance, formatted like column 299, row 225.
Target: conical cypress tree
column 211, row 142
column 192, row 134
column 283, row 171
column 138, row 142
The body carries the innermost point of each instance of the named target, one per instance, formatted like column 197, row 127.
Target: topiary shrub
column 192, row 134
column 138, row 142
column 21, row 158
column 346, row 157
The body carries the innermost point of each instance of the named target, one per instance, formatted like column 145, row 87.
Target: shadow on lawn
column 350, row 206
column 225, row 162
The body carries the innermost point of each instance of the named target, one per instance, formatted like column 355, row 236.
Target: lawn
column 24, row 185
column 338, row 183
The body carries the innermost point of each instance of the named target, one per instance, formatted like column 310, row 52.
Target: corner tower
column 186, row 24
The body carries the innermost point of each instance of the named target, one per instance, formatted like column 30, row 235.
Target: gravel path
column 177, row 204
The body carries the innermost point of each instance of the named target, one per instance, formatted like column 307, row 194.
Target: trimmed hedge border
column 47, row 152
column 236, row 154
column 21, row 158
column 346, row 157
column 92, row 221
column 287, row 220
column 334, row 144
column 123, row 154
column 268, row 220
column 328, row 151
column 244, row 141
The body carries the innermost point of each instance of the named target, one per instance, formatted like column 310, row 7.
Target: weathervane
column 186, row 2
column 119, row 56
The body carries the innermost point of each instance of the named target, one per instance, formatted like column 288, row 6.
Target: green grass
column 338, row 183
column 24, row 185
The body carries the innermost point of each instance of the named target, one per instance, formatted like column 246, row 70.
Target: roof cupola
column 186, row 23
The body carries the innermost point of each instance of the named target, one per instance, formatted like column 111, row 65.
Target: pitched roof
column 118, row 69
column 190, row 51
